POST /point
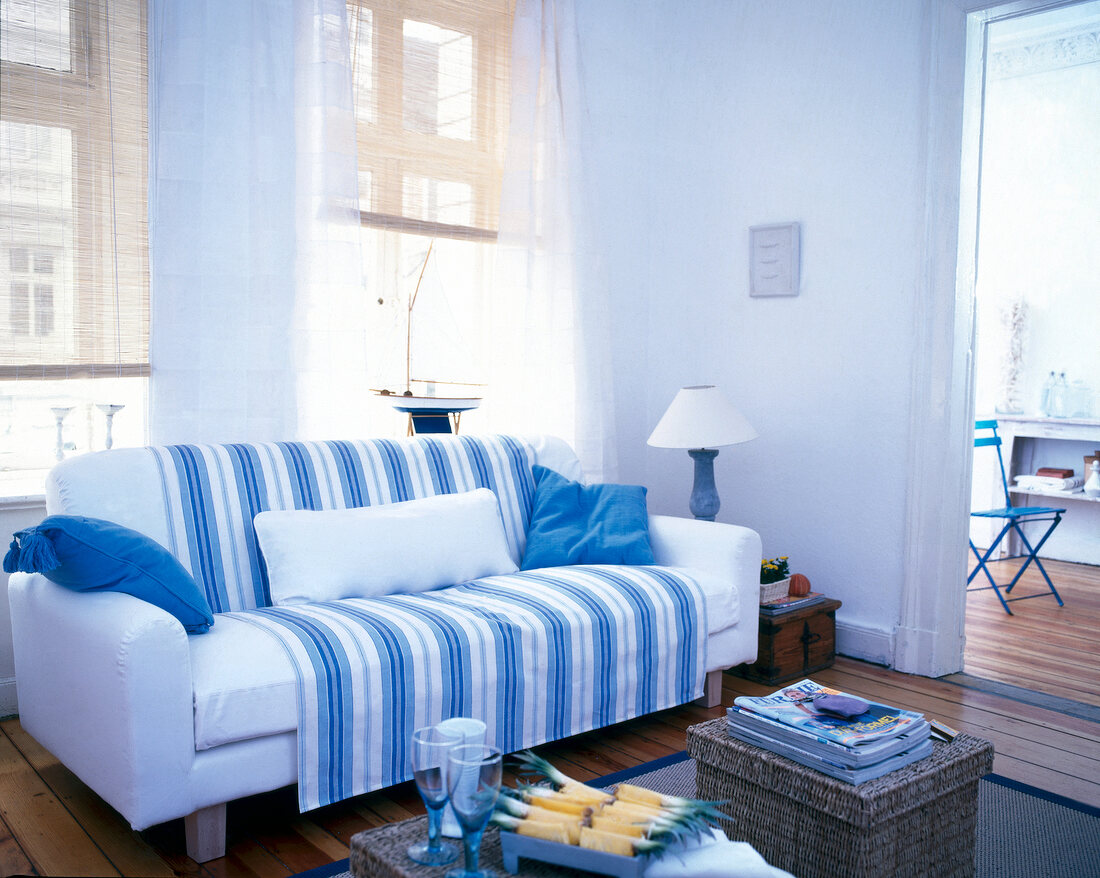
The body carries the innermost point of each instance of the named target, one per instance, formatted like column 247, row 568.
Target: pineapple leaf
column 532, row 763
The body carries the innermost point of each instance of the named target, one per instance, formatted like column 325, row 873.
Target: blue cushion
column 89, row 554
column 573, row 523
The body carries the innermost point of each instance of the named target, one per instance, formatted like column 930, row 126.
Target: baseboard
column 9, row 706
column 869, row 644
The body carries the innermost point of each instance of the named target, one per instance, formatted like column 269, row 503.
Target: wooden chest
column 795, row 644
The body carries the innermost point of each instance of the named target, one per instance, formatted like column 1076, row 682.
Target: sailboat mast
column 409, row 320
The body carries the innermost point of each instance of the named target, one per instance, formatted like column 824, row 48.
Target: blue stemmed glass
column 428, row 757
column 473, row 779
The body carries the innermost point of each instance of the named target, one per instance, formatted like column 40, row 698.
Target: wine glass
column 472, row 731
column 473, row 779
column 428, row 756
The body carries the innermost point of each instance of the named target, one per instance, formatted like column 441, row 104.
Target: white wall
column 710, row 117
column 1040, row 218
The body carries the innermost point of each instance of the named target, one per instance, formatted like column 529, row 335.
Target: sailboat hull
column 433, row 414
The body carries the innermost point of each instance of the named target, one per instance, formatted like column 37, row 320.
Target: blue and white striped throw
column 537, row 656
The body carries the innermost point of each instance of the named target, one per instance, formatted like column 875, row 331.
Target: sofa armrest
column 104, row 682
column 726, row 550
column 727, row 553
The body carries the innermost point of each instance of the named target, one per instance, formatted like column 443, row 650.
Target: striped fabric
column 212, row 493
column 538, row 655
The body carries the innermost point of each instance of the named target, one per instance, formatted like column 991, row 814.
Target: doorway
column 1034, row 86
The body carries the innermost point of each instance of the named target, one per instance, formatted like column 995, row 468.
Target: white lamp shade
column 701, row 417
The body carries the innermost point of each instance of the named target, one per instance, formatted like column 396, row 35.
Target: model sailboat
column 428, row 412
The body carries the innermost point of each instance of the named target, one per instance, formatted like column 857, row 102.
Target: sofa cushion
column 398, row 548
column 245, row 686
column 573, row 523
column 90, row 554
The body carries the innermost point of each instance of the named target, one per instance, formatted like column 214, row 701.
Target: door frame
column 930, row 635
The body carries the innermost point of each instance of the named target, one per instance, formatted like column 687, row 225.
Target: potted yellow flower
column 775, row 578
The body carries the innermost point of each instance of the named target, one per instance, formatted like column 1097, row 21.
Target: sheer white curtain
column 250, row 193
column 330, row 311
column 550, row 315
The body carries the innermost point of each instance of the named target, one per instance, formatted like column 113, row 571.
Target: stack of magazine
column 791, row 602
column 853, row 749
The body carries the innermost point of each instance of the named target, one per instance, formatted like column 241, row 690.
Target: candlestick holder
column 109, row 410
column 59, row 413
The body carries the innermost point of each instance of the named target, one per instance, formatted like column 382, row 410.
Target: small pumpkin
column 799, row 586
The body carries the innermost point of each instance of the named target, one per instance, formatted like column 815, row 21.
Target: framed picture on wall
column 774, row 259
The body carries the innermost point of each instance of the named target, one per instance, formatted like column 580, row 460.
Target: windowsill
column 23, row 489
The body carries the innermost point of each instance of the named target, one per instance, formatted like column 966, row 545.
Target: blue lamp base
column 704, row 503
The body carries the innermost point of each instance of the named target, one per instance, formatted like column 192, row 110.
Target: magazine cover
column 793, row 706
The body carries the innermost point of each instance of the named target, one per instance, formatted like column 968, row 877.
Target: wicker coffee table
column 918, row 820
column 380, row 853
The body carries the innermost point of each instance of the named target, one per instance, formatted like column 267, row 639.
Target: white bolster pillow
column 395, row 548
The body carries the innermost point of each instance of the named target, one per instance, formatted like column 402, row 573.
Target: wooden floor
column 53, row 825
column 1041, row 646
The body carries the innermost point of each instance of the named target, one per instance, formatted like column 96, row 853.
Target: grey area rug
column 1023, row 832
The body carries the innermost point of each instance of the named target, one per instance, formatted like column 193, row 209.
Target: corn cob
column 523, row 811
column 669, row 827
column 546, row 831
column 553, row 802
column 626, row 792
column 545, row 814
column 585, row 793
column 612, row 815
column 613, row 843
column 608, row 824
column 633, row 811
column 563, row 833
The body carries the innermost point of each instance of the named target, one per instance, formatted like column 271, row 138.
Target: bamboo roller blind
column 73, row 174
column 431, row 92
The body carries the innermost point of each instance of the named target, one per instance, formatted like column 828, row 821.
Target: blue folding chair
column 1013, row 517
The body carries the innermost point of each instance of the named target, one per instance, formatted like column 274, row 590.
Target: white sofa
column 163, row 724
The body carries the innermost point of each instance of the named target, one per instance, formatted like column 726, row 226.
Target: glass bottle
column 1058, row 395
column 1044, row 395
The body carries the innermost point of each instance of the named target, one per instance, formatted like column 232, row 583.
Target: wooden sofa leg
column 712, row 690
column 205, row 832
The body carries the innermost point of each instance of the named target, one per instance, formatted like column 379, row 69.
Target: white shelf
column 1031, row 443
column 1058, row 495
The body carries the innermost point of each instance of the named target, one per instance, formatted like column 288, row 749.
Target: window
column 431, row 91
column 73, row 240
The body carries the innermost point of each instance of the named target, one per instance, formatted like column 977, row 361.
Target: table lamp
column 701, row 419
